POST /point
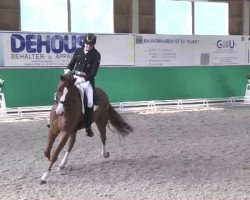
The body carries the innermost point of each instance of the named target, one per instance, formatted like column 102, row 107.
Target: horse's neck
column 73, row 100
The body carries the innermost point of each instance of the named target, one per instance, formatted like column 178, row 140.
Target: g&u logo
column 225, row 44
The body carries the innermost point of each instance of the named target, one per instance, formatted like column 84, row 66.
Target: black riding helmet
column 90, row 39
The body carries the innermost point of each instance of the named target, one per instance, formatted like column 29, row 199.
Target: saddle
column 96, row 99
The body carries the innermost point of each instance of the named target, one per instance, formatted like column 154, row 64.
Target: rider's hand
column 85, row 84
column 66, row 71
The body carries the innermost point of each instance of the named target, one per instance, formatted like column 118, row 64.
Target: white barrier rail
column 25, row 112
column 178, row 104
column 130, row 107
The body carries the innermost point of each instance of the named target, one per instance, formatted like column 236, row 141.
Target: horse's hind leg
column 102, row 130
column 72, row 140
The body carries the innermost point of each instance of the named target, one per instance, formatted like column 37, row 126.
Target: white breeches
column 85, row 87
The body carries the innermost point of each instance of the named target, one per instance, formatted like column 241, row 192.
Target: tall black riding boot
column 88, row 121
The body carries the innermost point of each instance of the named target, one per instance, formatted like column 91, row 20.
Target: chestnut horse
column 66, row 118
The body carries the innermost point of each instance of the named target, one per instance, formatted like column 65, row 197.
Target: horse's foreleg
column 51, row 139
column 72, row 140
column 54, row 156
column 64, row 160
column 102, row 130
column 104, row 152
column 58, row 149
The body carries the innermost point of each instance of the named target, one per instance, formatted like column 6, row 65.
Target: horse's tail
column 119, row 123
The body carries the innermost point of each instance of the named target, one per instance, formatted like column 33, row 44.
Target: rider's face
column 88, row 47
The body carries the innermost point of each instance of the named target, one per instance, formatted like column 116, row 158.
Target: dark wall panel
column 10, row 15
column 236, row 11
column 122, row 16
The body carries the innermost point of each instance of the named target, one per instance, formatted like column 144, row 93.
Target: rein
column 57, row 100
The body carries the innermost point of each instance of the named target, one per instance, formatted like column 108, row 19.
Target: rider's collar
column 86, row 51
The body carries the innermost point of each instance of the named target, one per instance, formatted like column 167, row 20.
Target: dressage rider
column 85, row 62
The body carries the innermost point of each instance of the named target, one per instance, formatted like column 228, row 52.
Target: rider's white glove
column 87, row 83
column 84, row 84
column 66, row 71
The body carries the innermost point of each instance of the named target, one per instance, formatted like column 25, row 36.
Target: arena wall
column 36, row 87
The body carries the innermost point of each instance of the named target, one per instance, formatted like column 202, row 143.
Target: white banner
column 165, row 50
column 116, row 49
column 19, row 49
column 48, row 50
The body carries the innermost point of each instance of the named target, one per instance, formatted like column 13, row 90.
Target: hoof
column 106, row 155
column 42, row 182
column 61, row 167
